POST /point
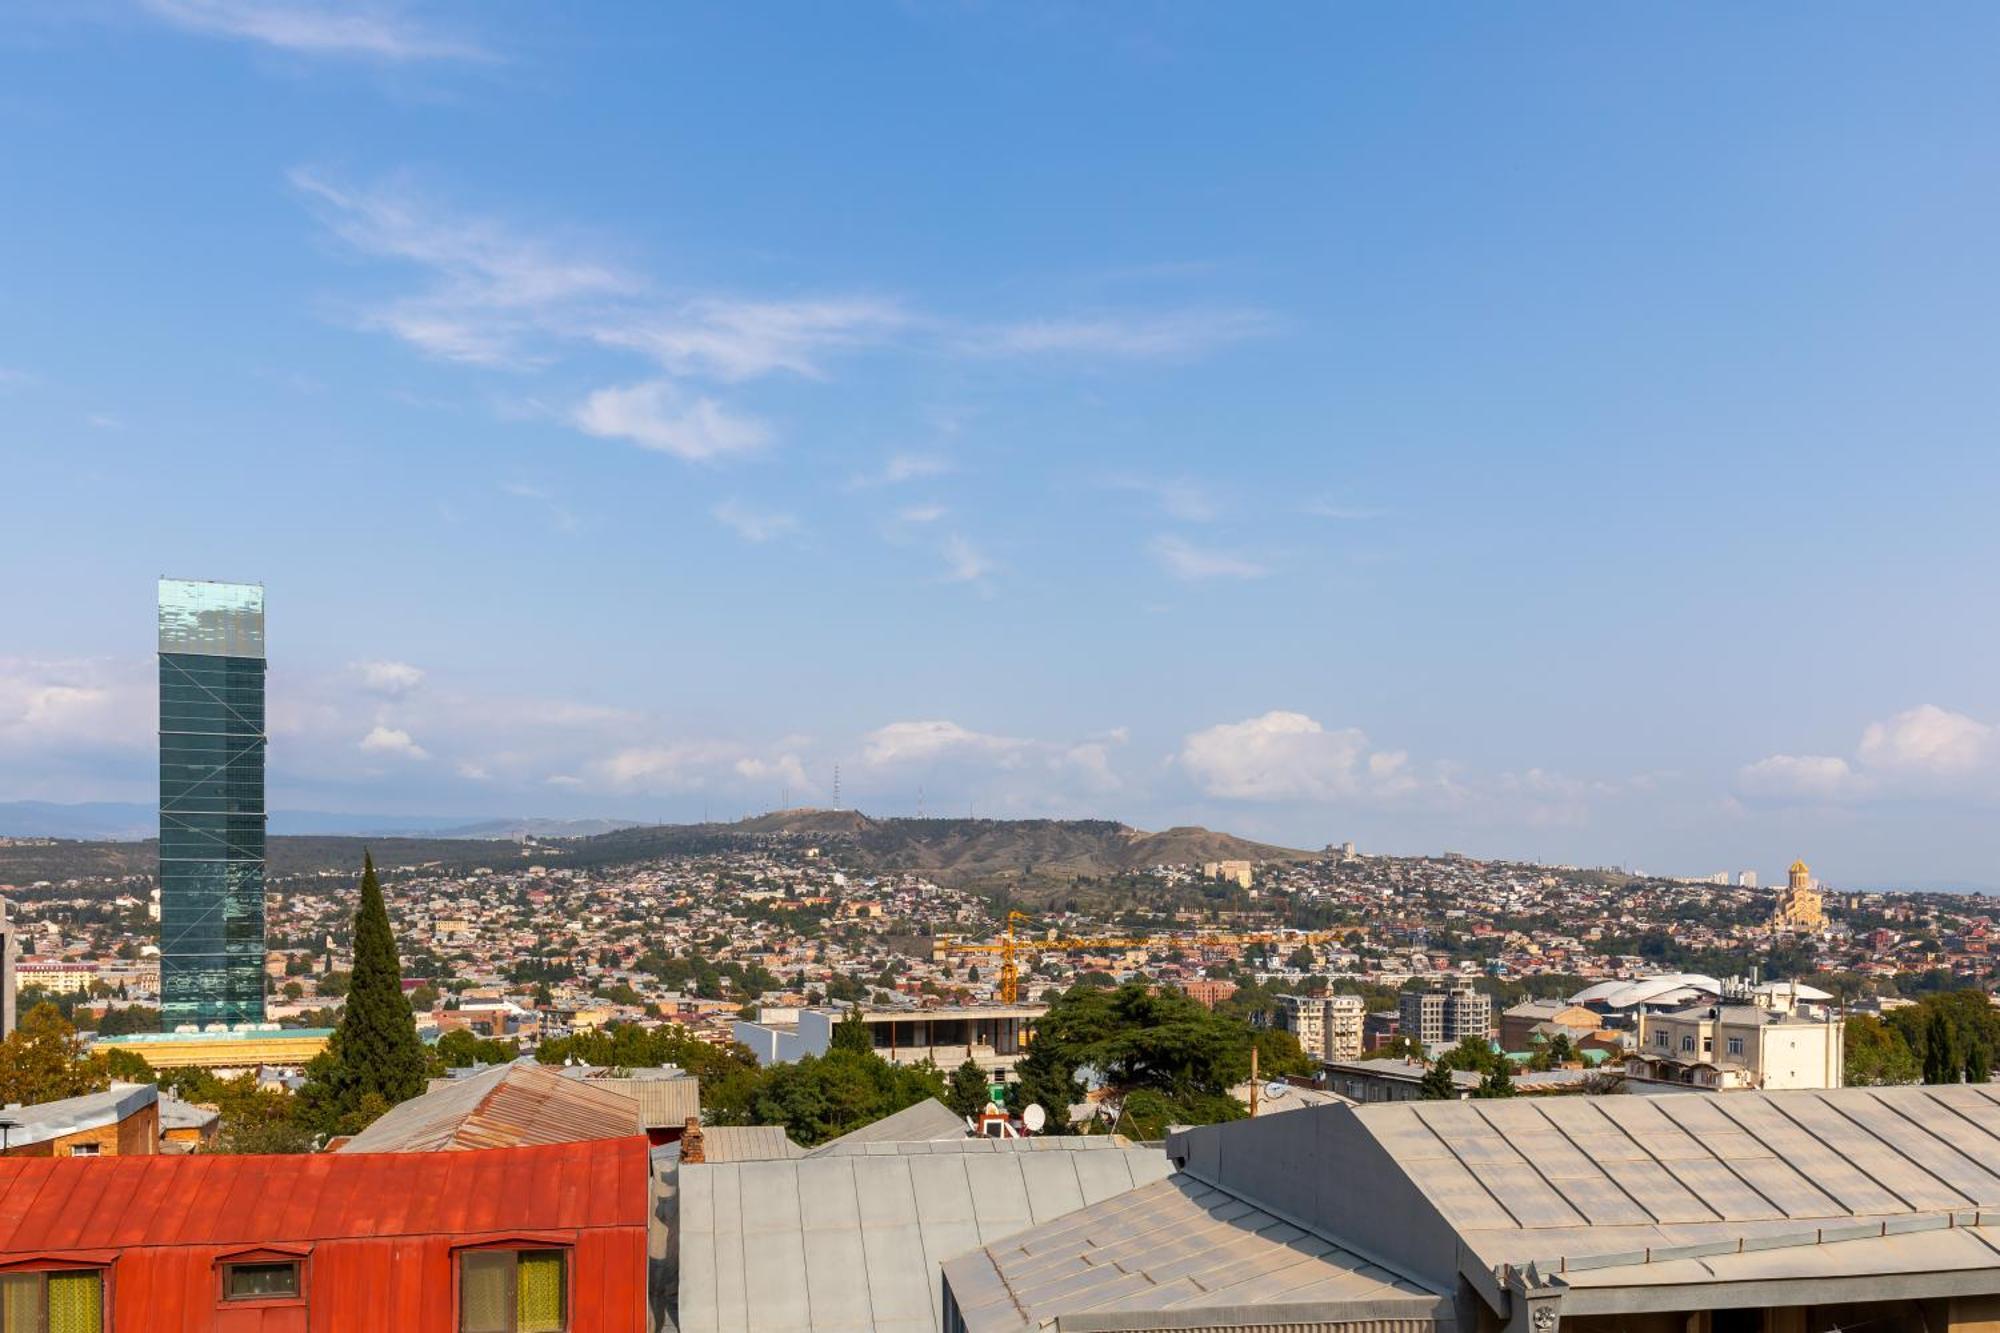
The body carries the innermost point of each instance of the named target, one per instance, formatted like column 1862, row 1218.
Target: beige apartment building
column 1328, row 1026
column 1771, row 1042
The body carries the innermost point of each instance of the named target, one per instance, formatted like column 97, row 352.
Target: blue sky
column 1562, row 432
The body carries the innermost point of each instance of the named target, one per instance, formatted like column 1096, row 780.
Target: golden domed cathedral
column 1801, row 906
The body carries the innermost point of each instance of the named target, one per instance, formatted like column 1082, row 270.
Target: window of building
column 59, row 1302
column 1660, row 1037
column 260, row 1282
column 1687, row 1041
column 1736, row 1045
column 84, row 1150
column 511, row 1291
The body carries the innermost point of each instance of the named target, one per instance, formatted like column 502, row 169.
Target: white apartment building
column 1328, row 1026
column 1768, row 1040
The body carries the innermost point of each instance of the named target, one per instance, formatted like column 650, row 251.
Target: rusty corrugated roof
column 91, row 1203
column 507, row 1106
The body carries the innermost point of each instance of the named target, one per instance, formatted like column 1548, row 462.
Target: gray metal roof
column 505, row 1106
column 1177, row 1245
column 1570, row 1185
column 855, row 1241
column 747, row 1143
column 929, row 1119
column 73, row 1115
column 975, row 1144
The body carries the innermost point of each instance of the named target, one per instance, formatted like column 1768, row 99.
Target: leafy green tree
column 969, row 1093
column 1279, row 1054
column 1876, row 1053
column 1499, row 1082
column 374, row 1058
column 1137, row 1039
column 851, row 1034
column 1437, row 1085
column 461, row 1048
column 43, row 1060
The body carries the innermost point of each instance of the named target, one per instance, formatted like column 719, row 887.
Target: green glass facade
column 211, row 803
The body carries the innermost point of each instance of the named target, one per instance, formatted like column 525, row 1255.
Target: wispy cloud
column 741, row 340
column 922, row 513
column 964, row 562
column 657, row 415
column 754, row 525
column 1330, row 509
column 1173, row 335
column 1191, row 563
column 360, row 29
column 1182, row 498
column 901, row 468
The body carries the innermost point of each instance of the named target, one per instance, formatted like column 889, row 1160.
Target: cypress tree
column 374, row 1058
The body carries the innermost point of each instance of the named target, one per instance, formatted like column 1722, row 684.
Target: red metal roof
column 66, row 1203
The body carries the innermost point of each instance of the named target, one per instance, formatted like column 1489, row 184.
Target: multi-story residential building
column 990, row 1035
column 58, row 976
column 211, row 803
column 1328, row 1026
column 1448, row 1013
column 1766, row 1040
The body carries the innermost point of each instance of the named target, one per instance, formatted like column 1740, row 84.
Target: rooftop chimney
column 691, row 1148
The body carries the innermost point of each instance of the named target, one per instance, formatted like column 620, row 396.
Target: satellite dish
column 1034, row 1118
column 1276, row 1088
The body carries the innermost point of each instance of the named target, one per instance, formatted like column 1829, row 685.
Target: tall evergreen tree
column 374, row 1058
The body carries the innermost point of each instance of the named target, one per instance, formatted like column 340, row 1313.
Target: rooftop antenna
column 920, row 800
column 836, row 786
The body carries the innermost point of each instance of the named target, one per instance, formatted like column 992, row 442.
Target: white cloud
column 902, row 468
column 1181, row 498
column 964, row 563
column 56, row 706
column 1283, row 756
column 1922, row 751
column 1811, row 777
column 353, row 28
column 754, row 525
column 917, row 742
column 1175, row 335
column 1929, row 740
column 922, row 513
column 392, row 679
column 392, row 740
column 736, row 340
column 562, row 780
column 1191, row 563
column 655, row 415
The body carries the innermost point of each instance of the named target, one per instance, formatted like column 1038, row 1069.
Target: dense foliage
column 374, row 1058
column 1948, row 1037
column 1163, row 1058
column 42, row 1060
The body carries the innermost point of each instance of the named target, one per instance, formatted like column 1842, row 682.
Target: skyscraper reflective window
column 211, row 802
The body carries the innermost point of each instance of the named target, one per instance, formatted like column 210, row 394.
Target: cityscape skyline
column 1397, row 429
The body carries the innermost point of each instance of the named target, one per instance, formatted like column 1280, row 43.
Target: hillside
column 977, row 852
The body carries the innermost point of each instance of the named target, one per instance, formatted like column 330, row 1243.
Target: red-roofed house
column 547, row 1239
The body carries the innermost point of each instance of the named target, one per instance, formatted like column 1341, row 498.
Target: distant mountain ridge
column 975, row 851
column 129, row 821
column 979, row 852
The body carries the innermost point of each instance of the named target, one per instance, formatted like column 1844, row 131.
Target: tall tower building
column 211, row 802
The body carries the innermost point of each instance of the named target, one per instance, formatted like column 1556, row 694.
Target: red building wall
column 378, row 1235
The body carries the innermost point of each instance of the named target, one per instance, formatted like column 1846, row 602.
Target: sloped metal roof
column 73, row 1115
column 664, row 1103
column 63, row 1203
column 1177, row 1245
column 975, row 1144
column 1563, row 1178
column 929, row 1119
column 506, row 1106
column 855, row 1241
column 748, row 1143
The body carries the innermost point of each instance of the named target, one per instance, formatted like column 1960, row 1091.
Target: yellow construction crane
column 1009, row 947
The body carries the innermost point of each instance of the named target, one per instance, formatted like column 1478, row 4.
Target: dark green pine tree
column 374, row 1059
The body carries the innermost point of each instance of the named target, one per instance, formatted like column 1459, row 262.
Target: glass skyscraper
column 211, row 803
